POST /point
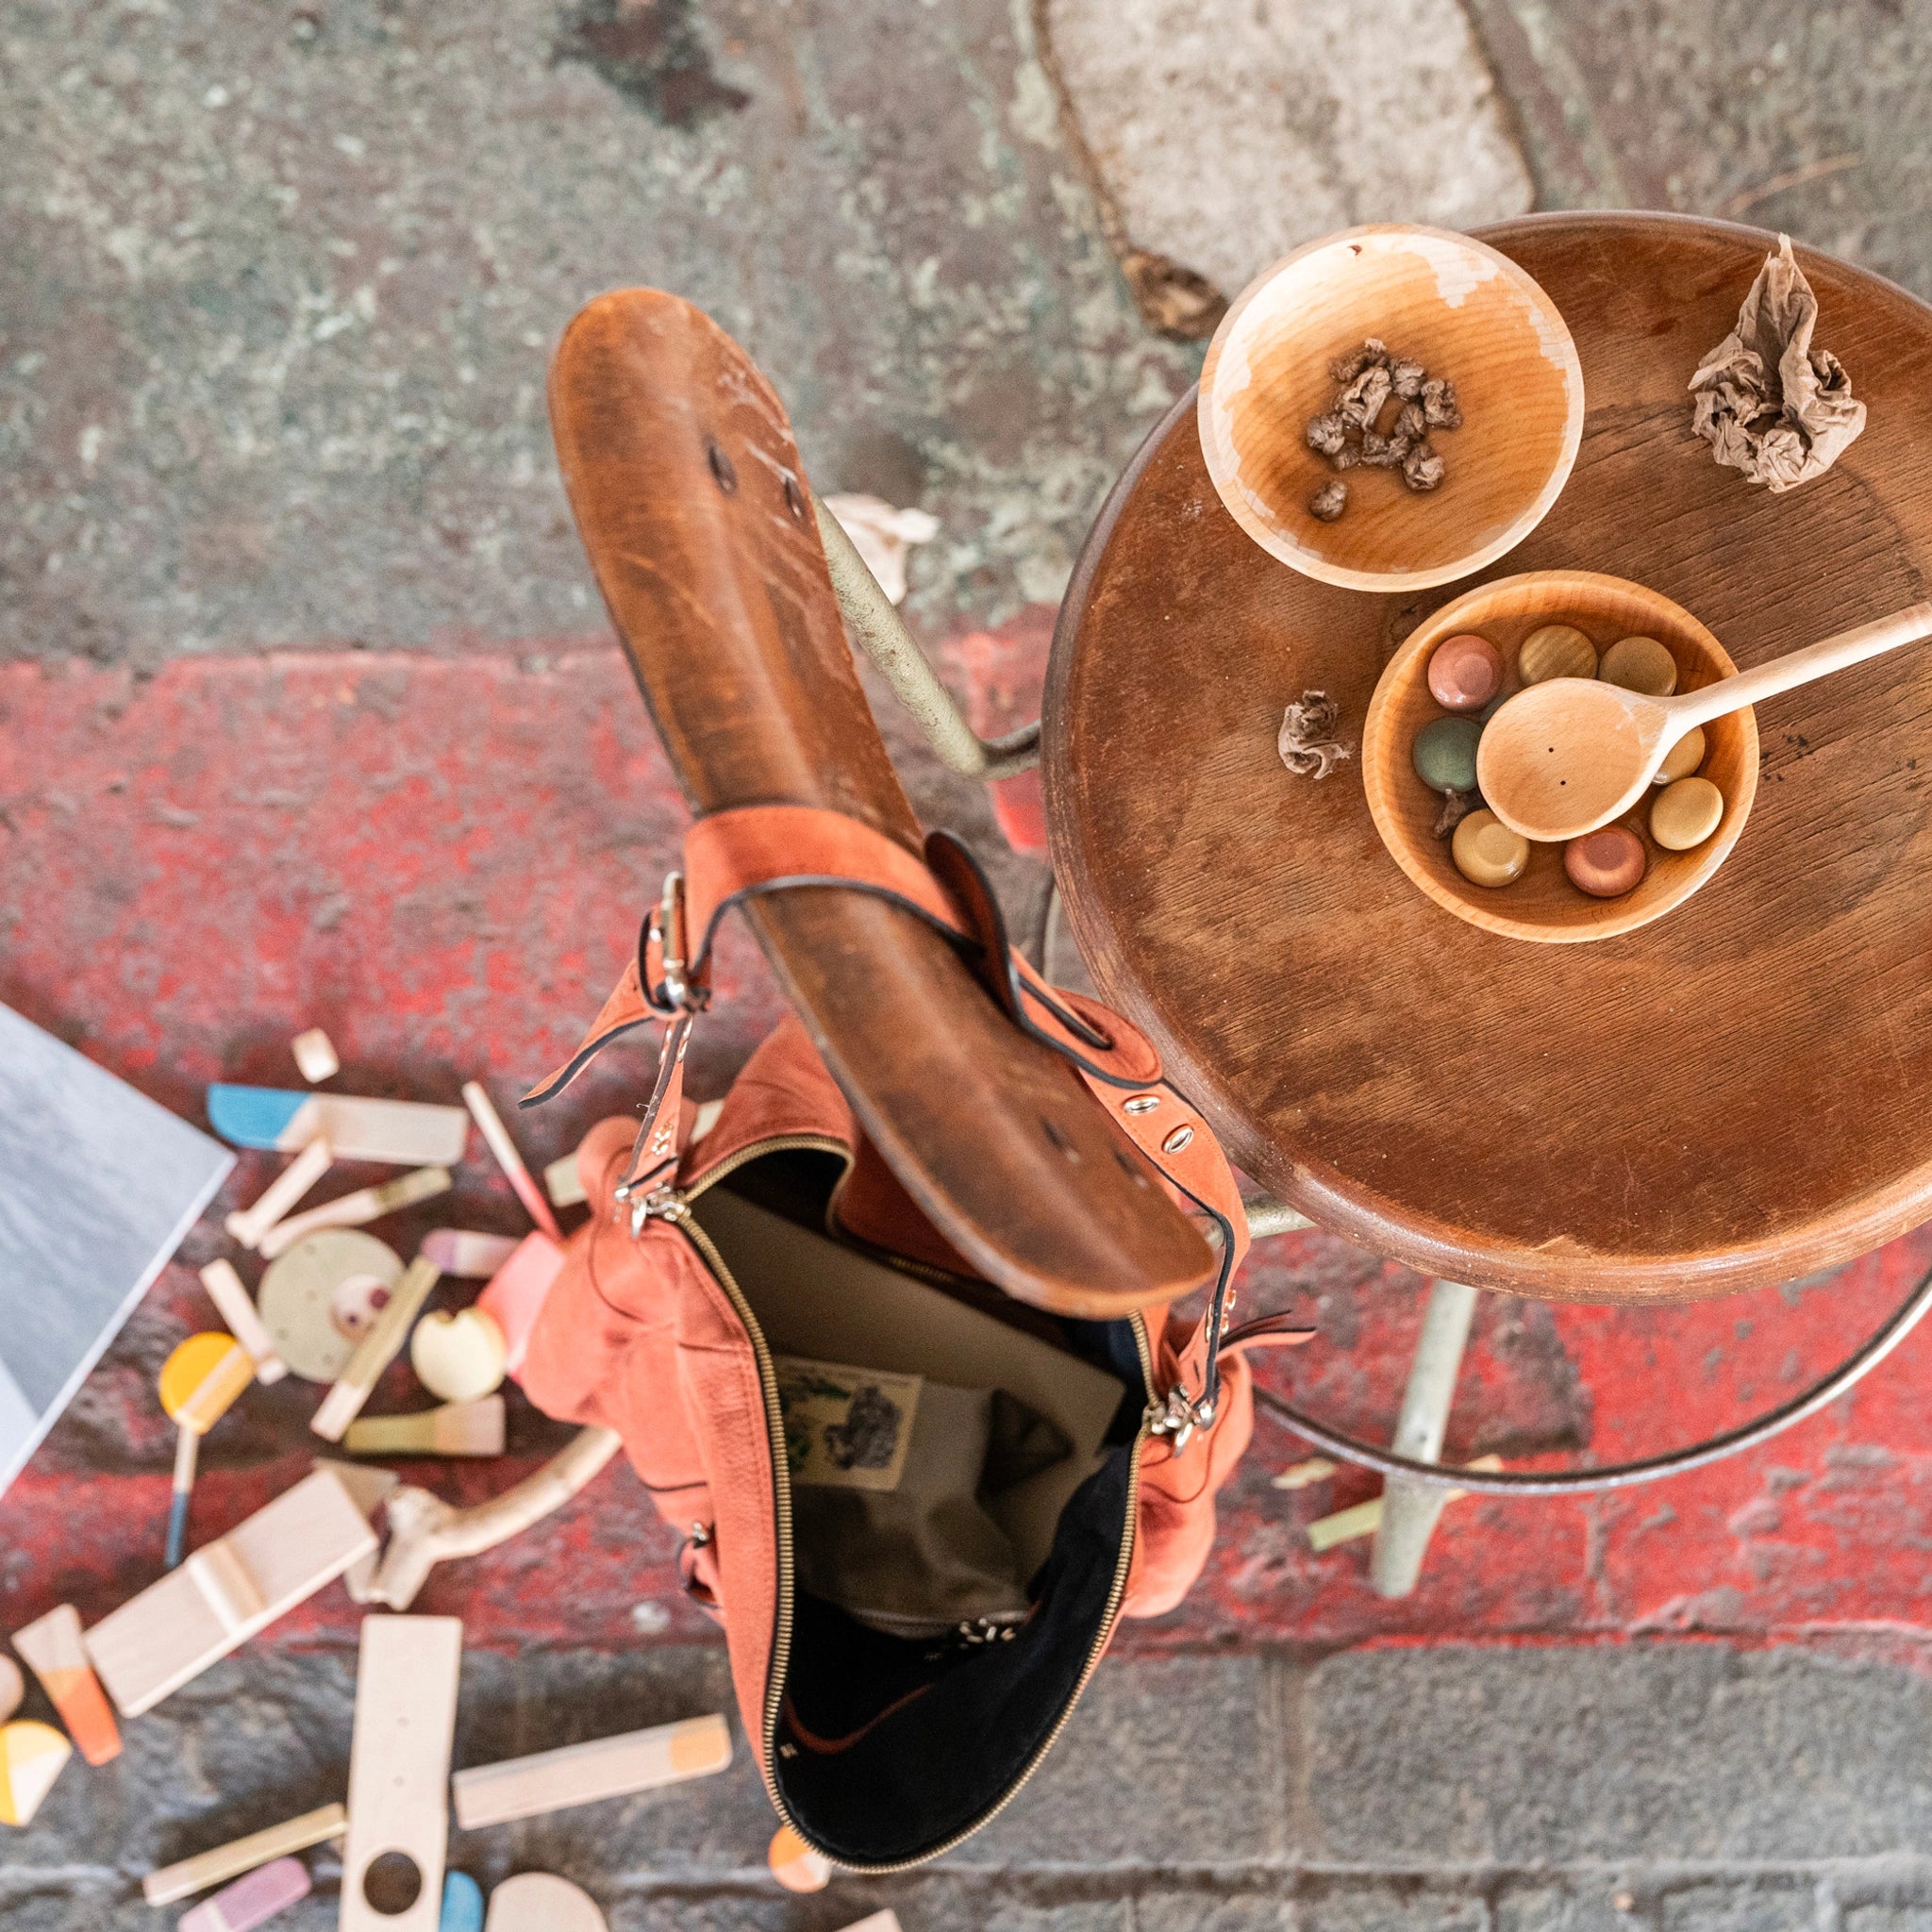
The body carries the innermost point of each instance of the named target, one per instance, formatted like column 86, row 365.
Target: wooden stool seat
column 1734, row 1096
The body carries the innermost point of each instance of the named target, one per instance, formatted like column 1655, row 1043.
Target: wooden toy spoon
column 1572, row 754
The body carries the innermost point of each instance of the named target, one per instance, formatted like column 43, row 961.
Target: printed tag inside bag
column 846, row 1428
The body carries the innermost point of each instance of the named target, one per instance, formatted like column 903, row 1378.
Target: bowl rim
column 1217, row 442
column 1382, row 806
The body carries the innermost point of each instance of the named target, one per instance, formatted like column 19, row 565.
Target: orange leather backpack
column 890, row 1341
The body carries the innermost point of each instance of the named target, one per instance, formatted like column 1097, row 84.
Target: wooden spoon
column 1570, row 754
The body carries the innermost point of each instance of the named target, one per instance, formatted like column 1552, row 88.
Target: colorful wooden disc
column 299, row 1294
column 537, row 1902
column 202, row 1378
column 796, row 1865
column 32, row 1755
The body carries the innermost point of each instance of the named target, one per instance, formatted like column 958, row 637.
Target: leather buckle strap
column 749, row 851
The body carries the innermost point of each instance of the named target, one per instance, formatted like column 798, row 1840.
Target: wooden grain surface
column 1732, row 1095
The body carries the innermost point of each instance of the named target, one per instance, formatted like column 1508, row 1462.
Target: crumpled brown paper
column 1305, row 744
column 1767, row 402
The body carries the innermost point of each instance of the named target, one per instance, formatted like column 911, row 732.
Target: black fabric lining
column 890, row 1746
column 934, row 1767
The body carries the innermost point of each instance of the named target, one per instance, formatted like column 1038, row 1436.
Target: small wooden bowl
column 1543, row 904
column 1445, row 301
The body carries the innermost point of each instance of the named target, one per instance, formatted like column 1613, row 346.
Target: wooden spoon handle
column 1838, row 653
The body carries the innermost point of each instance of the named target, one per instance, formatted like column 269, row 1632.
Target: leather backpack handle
column 694, row 507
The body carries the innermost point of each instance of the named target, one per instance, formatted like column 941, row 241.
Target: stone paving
column 280, row 281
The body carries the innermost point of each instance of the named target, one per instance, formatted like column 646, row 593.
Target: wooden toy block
column 13, row 1688
column 460, row 1356
column 880, row 1922
column 227, row 1590
column 369, row 1489
column 457, row 1428
column 315, row 1056
column 794, row 1864
column 173, row 1883
column 516, row 1293
column 375, row 1351
column 236, row 1306
column 563, row 1183
column 583, row 1773
column 52, row 1646
column 32, row 1755
column 466, row 1255
column 537, row 1902
column 511, row 1162
column 408, row 1133
column 462, row 1904
column 279, row 1197
column 405, row 1714
column 355, row 1210
column 252, row 1900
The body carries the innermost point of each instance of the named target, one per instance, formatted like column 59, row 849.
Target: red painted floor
column 443, row 861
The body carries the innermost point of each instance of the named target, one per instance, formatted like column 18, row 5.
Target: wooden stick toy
column 52, row 1646
column 405, row 1714
column 460, row 1356
column 796, row 1865
column 278, row 1198
column 375, row 1351
column 253, row 1900
column 538, row 1902
column 200, row 1381
column 424, row 1531
column 1298, row 1476
column 236, row 1306
column 457, row 1428
column 1365, row 1519
column 226, row 1592
column 517, row 1291
column 32, row 1755
column 315, row 1056
column 563, row 1183
column 462, row 1904
column 466, row 1255
column 511, row 1162
column 13, row 1688
column 173, row 1883
column 583, row 1773
column 406, row 1133
column 354, row 1210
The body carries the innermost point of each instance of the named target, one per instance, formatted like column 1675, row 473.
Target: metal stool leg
column 1410, row 1511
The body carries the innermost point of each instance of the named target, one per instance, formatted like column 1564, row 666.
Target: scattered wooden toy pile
column 338, row 1306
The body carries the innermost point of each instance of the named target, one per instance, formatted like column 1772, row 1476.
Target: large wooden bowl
column 1543, row 904
column 1463, row 311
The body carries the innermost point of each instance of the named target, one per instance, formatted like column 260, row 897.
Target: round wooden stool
column 1732, row 1096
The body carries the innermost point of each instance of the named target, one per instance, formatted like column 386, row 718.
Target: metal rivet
column 1141, row 1103
column 725, row 476
column 1180, row 1137
column 795, row 498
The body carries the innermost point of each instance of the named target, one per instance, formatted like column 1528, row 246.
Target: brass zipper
column 674, row 1206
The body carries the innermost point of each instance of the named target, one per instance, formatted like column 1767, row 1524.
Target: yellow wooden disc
column 1487, row 852
column 202, row 1377
column 1683, row 757
column 32, row 1755
column 1558, row 650
column 1640, row 664
column 1686, row 814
